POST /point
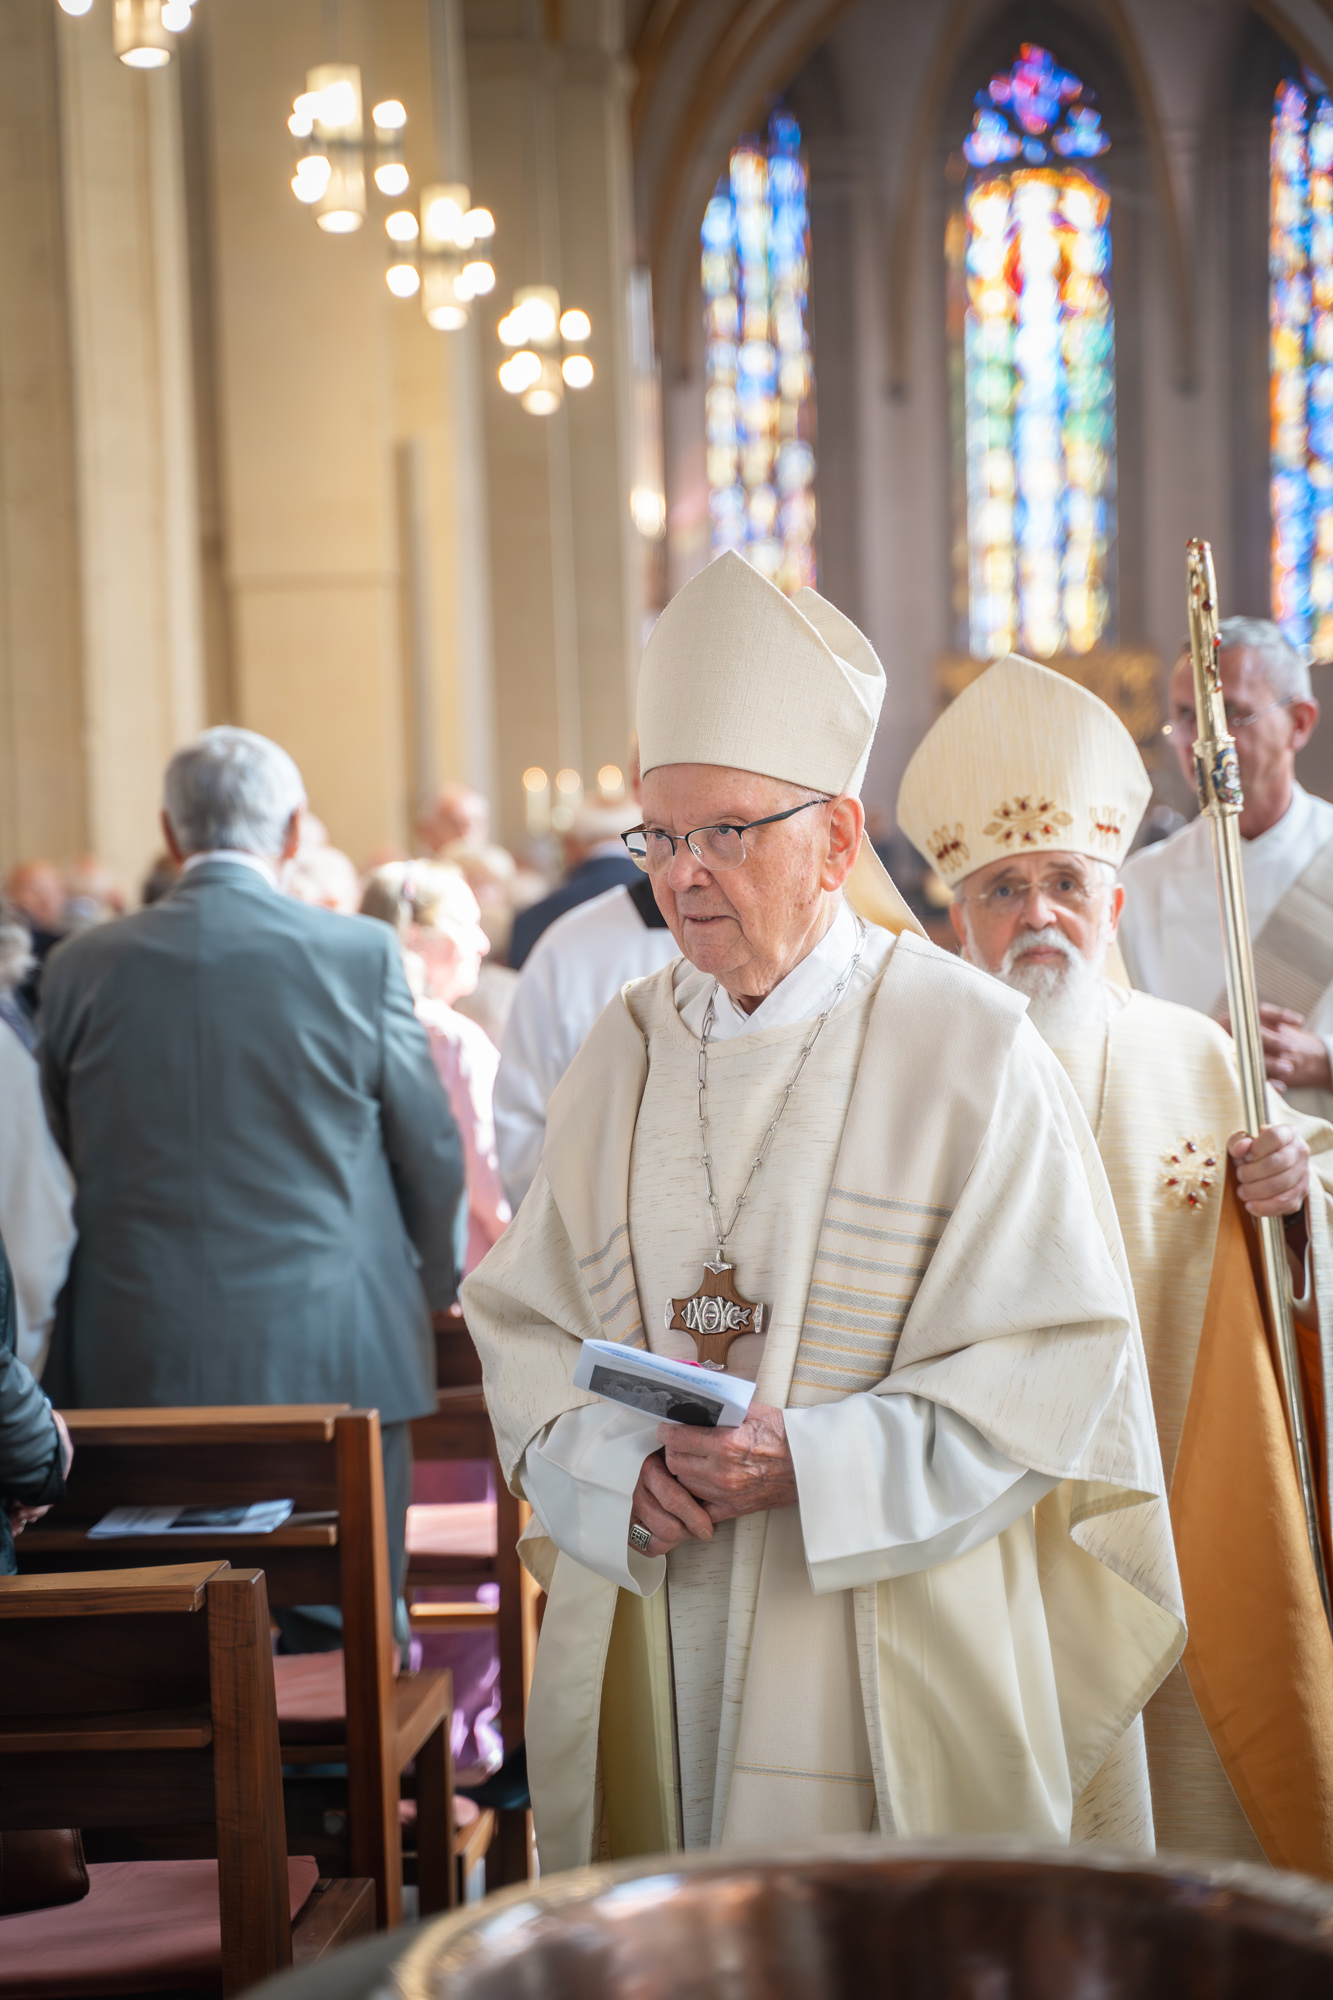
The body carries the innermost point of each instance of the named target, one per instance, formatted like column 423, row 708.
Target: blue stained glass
column 759, row 394
column 1038, row 366
column 1300, row 346
column 1036, row 108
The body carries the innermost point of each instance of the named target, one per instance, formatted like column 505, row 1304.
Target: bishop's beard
column 1064, row 997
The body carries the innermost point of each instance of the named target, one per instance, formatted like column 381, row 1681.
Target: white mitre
column 1023, row 759
column 736, row 674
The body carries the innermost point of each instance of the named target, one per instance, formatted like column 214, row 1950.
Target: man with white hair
column 267, row 1173
column 1024, row 796
column 1171, row 935
column 926, row 1585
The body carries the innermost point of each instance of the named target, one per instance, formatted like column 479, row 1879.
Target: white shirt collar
column 255, row 861
column 803, row 994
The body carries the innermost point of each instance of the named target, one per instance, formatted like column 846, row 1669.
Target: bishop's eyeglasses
column 718, row 848
column 1065, row 888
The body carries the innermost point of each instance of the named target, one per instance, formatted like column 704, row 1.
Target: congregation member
column 1171, row 935
column 927, row 1584
column 595, row 861
column 438, row 924
column 267, row 1173
column 35, row 1448
column 456, row 813
column 36, row 1192
column 1025, row 796
column 576, row 967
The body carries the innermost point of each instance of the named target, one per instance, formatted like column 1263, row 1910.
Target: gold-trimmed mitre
column 736, row 674
column 1023, row 759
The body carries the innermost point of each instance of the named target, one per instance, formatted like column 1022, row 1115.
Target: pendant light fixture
column 141, row 30
column 549, row 356
column 435, row 251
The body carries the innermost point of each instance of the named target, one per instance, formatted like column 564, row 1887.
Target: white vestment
column 1171, row 933
column 895, row 1650
column 575, row 967
column 1161, row 1092
column 36, row 1200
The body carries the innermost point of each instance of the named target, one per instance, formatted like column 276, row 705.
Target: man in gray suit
column 268, row 1175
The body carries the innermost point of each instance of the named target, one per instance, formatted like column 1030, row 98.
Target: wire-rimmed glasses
column 1187, row 721
column 716, row 848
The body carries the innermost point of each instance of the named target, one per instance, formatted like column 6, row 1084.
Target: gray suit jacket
column 268, row 1175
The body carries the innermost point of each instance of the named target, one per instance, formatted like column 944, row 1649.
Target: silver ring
column 640, row 1537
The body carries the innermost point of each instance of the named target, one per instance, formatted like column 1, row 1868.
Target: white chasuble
column 1159, row 1086
column 912, row 1647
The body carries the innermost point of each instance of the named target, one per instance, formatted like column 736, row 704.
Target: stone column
column 352, row 484
column 551, row 160
column 138, row 531
column 42, row 805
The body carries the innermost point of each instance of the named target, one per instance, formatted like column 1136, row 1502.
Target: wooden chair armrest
column 107, row 1592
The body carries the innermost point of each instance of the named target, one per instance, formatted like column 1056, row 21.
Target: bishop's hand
column 745, row 1470
column 1272, row 1171
column 1293, row 1058
column 664, row 1507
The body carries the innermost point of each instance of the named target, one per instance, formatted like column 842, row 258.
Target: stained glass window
column 1030, row 256
column 759, row 399
column 1300, row 334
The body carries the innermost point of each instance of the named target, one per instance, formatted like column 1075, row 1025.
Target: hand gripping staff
column 1217, row 776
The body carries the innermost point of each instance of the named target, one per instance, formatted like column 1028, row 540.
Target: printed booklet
column 676, row 1392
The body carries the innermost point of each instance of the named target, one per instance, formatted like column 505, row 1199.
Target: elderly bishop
column 1025, row 796
column 927, row 1585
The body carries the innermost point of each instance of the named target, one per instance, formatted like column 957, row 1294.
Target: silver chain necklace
column 757, row 1162
column 717, row 1314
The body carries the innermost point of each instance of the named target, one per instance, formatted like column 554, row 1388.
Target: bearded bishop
column 1025, row 797
column 926, row 1586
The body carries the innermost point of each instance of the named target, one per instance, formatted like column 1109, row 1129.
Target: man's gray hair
column 231, row 788
column 1286, row 670
column 16, row 957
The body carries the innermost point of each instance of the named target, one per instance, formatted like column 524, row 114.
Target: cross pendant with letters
column 715, row 1316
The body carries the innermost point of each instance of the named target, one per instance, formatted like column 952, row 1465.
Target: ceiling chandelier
column 433, row 249
column 549, row 353
column 141, row 30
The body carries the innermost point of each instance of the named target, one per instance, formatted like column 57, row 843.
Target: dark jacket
column 268, row 1175
column 29, row 1442
column 589, row 879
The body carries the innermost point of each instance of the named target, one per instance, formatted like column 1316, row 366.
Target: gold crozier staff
column 1217, row 775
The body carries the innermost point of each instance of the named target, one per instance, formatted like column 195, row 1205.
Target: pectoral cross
column 715, row 1316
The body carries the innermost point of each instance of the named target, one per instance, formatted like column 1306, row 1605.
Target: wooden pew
column 461, row 1429
column 145, row 1696
column 333, row 1550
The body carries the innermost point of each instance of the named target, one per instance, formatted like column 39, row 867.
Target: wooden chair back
column 145, row 1697
column 332, row 1551
column 460, row 1428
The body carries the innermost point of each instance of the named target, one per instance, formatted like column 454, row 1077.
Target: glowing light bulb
column 611, row 779
column 311, row 178
column 403, row 280
column 389, row 116
column 479, row 278
column 339, row 221
column 392, row 178
column 520, row 372
column 402, row 226
column 479, row 220
column 575, row 325
column 76, row 6
column 176, row 16
column 535, row 779
column 577, row 370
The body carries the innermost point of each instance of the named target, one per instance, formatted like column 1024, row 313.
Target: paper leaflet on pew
column 675, row 1392
column 260, row 1518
